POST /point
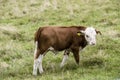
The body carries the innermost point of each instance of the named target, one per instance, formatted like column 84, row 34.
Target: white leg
column 64, row 60
column 40, row 64
column 35, row 66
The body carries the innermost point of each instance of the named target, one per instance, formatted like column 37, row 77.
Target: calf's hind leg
column 36, row 62
column 38, row 56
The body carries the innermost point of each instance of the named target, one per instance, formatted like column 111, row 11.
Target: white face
column 90, row 35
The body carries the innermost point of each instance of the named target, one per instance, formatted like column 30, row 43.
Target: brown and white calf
column 71, row 39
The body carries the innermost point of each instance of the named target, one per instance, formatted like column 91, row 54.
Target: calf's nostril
column 93, row 43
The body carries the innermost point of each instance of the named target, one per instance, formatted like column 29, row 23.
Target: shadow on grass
column 93, row 62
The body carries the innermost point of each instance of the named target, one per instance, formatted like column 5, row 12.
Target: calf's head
column 90, row 35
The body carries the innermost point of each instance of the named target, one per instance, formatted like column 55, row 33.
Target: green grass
column 19, row 19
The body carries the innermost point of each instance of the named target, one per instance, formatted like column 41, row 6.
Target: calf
column 71, row 39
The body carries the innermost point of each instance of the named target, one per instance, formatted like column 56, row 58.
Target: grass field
column 19, row 19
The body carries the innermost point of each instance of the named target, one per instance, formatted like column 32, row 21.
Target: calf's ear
column 98, row 32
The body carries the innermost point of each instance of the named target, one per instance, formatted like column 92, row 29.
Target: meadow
column 19, row 19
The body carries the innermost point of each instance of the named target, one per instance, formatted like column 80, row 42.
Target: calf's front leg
column 65, row 57
column 76, row 55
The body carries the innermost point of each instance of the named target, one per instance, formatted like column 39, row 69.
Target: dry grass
column 8, row 28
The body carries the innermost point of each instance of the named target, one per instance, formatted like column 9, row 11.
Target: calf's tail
column 37, row 34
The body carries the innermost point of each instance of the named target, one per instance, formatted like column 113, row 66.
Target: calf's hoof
column 41, row 71
column 35, row 73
